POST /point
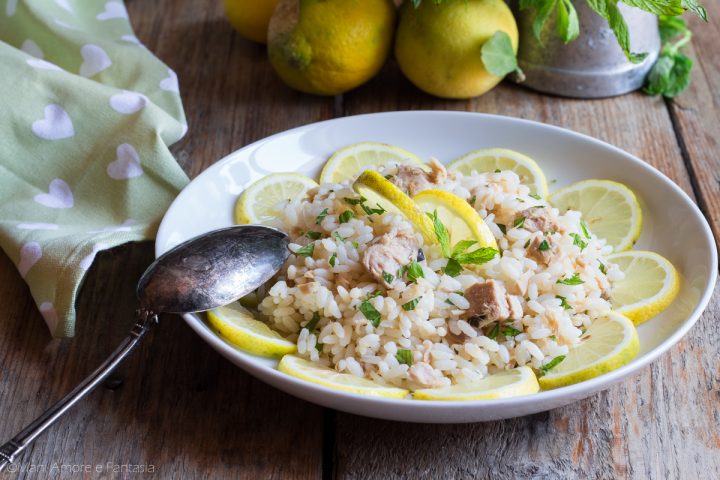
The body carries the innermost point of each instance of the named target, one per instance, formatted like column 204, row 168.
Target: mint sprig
column 459, row 255
column 670, row 75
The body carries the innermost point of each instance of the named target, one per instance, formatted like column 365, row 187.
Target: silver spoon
column 206, row 272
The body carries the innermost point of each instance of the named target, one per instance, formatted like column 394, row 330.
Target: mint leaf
column 477, row 257
column 543, row 9
column 313, row 235
column 404, row 357
column 552, row 363
column 370, row 313
column 414, row 271
column 346, row 216
column 306, row 251
column 567, row 23
column 461, row 246
column 563, row 302
column 453, row 268
column 694, row 7
column 574, row 280
column 320, row 217
column 658, row 7
column 388, row 277
column 670, row 75
column 498, row 55
column 609, row 10
column 411, row 304
column 332, row 260
column 577, row 240
column 354, row 201
column 441, row 233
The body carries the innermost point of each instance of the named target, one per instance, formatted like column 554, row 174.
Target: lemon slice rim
column 622, row 354
column 634, row 234
column 331, row 164
column 242, row 203
column 525, row 160
column 527, row 384
column 368, row 391
column 382, row 187
column 637, row 312
column 274, row 346
column 463, row 210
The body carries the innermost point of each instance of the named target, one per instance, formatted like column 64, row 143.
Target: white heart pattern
column 170, row 83
column 113, row 10
column 32, row 49
column 88, row 260
column 126, row 165
column 37, row 226
column 42, row 64
column 128, row 102
column 64, row 4
column 130, row 39
column 55, row 126
column 95, row 60
column 10, row 7
column 59, row 195
column 47, row 310
column 30, row 253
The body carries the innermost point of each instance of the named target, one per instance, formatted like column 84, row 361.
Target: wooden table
column 179, row 409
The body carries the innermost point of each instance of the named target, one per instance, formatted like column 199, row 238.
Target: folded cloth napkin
column 86, row 117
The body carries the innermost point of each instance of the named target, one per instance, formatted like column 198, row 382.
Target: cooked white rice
column 446, row 348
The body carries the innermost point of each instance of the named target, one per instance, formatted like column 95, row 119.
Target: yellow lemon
column 250, row 17
column 438, row 46
column 327, row 47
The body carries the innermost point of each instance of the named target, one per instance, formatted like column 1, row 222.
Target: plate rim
column 570, row 393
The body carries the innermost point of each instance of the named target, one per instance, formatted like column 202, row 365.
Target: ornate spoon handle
column 22, row 440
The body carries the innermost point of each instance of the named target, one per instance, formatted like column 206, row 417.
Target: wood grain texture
column 180, row 407
column 696, row 114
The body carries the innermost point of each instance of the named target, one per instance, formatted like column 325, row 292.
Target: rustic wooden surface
column 179, row 409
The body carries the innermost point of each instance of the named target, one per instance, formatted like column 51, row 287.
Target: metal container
column 593, row 65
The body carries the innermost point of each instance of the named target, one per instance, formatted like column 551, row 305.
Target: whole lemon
column 327, row 47
column 438, row 47
column 250, row 17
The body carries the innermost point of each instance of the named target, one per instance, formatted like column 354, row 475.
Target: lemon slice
column 609, row 343
column 240, row 328
column 650, row 285
column 462, row 221
column 491, row 159
column 510, row 383
column 378, row 190
column 256, row 204
column 347, row 162
column 609, row 208
column 312, row 372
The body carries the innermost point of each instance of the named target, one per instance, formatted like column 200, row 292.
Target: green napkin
column 86, row 117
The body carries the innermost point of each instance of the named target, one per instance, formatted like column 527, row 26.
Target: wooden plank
column 697, row 115
column 660, row 424
column 176, row 405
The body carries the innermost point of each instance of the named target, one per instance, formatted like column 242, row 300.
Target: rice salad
column 428, row 323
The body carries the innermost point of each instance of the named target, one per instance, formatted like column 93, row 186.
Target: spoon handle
column 22, row 440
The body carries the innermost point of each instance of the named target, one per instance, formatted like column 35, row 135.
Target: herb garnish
column 404, row 357
column 563, row 302
column 338, row 236
column 602, row 267
column 370, row 312
column 332, row 260
column 411, row 304
column 354, row 201
column 552, row 363
column 502, row 228
column 578, row 241
column 321, row 216
column 519, row 222
column 585, row 229
column 544, row 246
column 535, row 196
column 306, row 251
column 313, row 235
column 498, row 55
column 459, row 255
column 441, row 233
column 574, row 280
column 414, row 271
column 312, row 324
column 670, row 75
column 346, row 216
column 368, row 210
column 388, row 277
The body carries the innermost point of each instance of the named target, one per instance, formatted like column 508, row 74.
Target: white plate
column 673, row 226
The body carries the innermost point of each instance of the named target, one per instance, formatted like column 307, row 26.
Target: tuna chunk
column 539, row 219
column 425, row 376
column 390, row 252
column 542, row 250
column 413, row 179
column 489, row 302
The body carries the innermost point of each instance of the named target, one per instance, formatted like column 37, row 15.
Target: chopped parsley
column 574, row 280
column 563, row 302
column 319, row 347
column 497, row 170
column 346, row 216
column 471, row 200
column 370, row 313
column 388, row 277
column 379, row 210
column 389, row 177
column 535, row 196
column 313, row 235
column 404, row 357
column 577, row 240
column 453, row 268
column 494, row 331
column 321, row 216
column 553, row 338
column 306, row 251
column 602, row 267
column 552, row 363
column 414, row 271
column 332, row 260
column 510, row 331
column 354, row 201
column 411, row 304
column 502, row 228
column 527, row 244
column 519, row 222
column 584, row 227
column 355, row 244
column 544, row 246
column 338, row 236
column 312, row 324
